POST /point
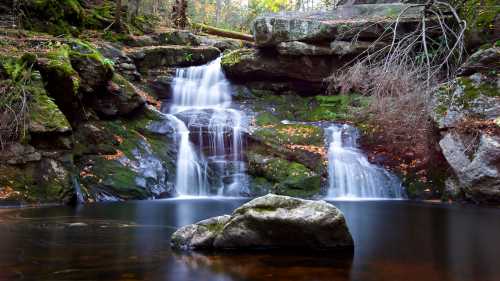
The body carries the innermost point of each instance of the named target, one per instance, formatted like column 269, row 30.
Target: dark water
column 399, row 240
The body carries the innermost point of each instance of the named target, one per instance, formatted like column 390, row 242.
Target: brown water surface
column 394, row 240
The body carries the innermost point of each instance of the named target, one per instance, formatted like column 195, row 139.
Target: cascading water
column 209, row 133
column 350, row 174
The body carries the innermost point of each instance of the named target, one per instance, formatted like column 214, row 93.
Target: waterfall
column 209, row 133
column 349, row 172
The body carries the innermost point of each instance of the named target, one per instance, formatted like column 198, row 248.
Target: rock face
column 479, row 176
column 270, row 222
column 368, row 21
column 303, row 48
column 467, row 111
column 304, row 73
column 147, row 58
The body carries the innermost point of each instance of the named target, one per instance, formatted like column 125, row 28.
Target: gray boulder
column 483, row 60
column 364, row 21
column 477, row 170
column 270, row 222
column 475, row 96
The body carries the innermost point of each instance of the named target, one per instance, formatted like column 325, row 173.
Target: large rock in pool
column 269, row 222
column 345, row 22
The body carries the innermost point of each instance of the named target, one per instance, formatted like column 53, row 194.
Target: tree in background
column 179, row 14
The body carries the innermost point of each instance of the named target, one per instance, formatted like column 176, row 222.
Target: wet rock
column 162, row 86
column 345, row 22
column 121, row 98
column 266, row 223
column 147, row 58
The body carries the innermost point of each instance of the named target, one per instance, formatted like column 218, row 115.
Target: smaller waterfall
column 349, row 172
column 191, row 175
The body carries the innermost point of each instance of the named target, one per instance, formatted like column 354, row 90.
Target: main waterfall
column 209, row 133
column 350, row 174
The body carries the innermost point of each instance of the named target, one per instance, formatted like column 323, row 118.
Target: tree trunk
column 222, row 32
column 118, row 24
column 218, row 4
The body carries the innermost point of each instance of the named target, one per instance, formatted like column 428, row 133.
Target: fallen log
column 222, row 32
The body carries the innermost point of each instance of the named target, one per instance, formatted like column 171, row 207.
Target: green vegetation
column 286, row 177
column 290, row 134
column 235, row 56
column 468, row 91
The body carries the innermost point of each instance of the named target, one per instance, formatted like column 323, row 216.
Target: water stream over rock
column 350, row 174
column 209, row 133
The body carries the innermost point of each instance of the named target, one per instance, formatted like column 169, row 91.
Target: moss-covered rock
column 178, row 37
column 45, row 181
column 291, row 134
column 121, row 98
column 475, row 96
column 56, row 17
column 93, row 68
column 143, row 159
column 44, row 115
column 62, row 82
column 148, row 58
column 286, row 177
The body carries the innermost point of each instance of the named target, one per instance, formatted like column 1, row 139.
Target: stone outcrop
column 304, row 73
column 467, row 111
column 267, row 223
column 304, row 48
column 147, row 58
column 345, row 22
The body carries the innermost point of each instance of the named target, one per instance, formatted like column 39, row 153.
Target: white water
column 209, row 133
column 350, row 174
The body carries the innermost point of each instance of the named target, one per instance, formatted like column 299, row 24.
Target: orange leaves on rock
column 119, row 154
column 7, row 192
column 309, row 148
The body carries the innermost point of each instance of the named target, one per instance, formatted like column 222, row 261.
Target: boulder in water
column 270, row 222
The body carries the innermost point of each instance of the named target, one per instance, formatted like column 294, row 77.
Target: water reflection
column 130, row 241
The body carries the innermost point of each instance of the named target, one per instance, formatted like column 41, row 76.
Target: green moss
column 112, row 176
column 291, row 134
column 234, row 57
column 33, row 187
column 60, row 66
column 470, row 92
column 287, row 177
column 56, row 17
column 85, row 50
column 44, row 112
column 266, row 118
column 216, row 227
